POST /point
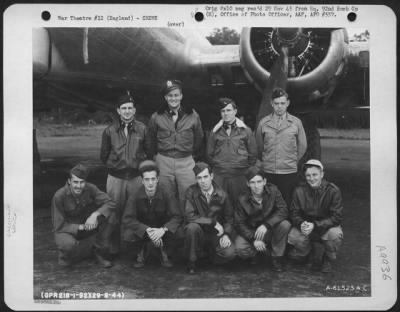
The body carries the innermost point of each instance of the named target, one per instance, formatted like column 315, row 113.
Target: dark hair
column 254, row 171
column 200, row 167
column 148, row 168
column 306, row 166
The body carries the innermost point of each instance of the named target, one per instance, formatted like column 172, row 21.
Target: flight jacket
column 141, row 213
column 321, row 206
column 219, row 209
column 235, row 151
column 248, row 216
column 122, row 155
column 176, row 140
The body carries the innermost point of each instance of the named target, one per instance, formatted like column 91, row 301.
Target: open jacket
column 237, row 150
column 176, row 140
column 219, row 209
column 68, row 211
column 248, row 216
column 321, row 206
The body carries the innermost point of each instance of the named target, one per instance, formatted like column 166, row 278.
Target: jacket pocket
column 185, row 139
column 163, row 134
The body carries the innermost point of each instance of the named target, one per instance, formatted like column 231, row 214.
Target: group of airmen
column 245, row 200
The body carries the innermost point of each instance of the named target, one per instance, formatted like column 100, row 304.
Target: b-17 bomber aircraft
column 90, row 67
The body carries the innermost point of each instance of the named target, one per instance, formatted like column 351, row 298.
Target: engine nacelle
column 316, row 57
column 45, row 55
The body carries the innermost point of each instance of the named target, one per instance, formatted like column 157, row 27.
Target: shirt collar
column 171, row 112
column 276, row 117
column 131, row 125
column 239, row 124
column 209, row 192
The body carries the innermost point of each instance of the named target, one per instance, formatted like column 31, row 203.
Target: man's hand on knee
column 91, row 222
column 259, row 246
column 225, row 241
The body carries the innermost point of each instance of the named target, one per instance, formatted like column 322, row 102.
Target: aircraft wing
column 95, row 64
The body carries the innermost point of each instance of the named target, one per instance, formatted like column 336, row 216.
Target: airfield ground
column 346, row 156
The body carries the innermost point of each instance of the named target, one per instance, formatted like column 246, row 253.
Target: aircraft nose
column 287, row 35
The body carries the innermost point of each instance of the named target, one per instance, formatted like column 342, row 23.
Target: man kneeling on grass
column 316, row 213
column 151, row 218
column 81, row 214
column 261, row 220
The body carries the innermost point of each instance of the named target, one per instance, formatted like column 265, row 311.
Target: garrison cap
column 252, row 172
column 226, row 101
column 80, row 171
column 200, row 166
column 278, row 92
column 125, row 99
column 170, row 85
column 312, row 163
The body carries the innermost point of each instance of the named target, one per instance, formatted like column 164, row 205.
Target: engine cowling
column 316, row 56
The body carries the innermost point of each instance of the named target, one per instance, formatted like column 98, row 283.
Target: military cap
column 278, row 92
column 200, row 166
column 170, row 85
column 226, row 101
column 252, row 172
column 80, row 171
column 313, row 163
column 124, row 99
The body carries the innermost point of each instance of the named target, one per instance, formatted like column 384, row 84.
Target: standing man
column 231, row 150
column 151, row 218
column 281, row 143
column 316, row 213
column 80, row 214
column 175, row 134
column 210, row 219
column 122, row 149
column 261, row 219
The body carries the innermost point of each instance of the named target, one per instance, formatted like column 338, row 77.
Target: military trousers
column 176, row 175
column 73, row 248
column 119, row 190
column 233, row 184
column 199, row 242
column 275, row 238
column 331, row 239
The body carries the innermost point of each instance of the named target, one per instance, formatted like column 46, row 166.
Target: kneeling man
column 80, row 215
column 210, row 219
column 261, row 219
column 151, row 217
column 316, row 213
